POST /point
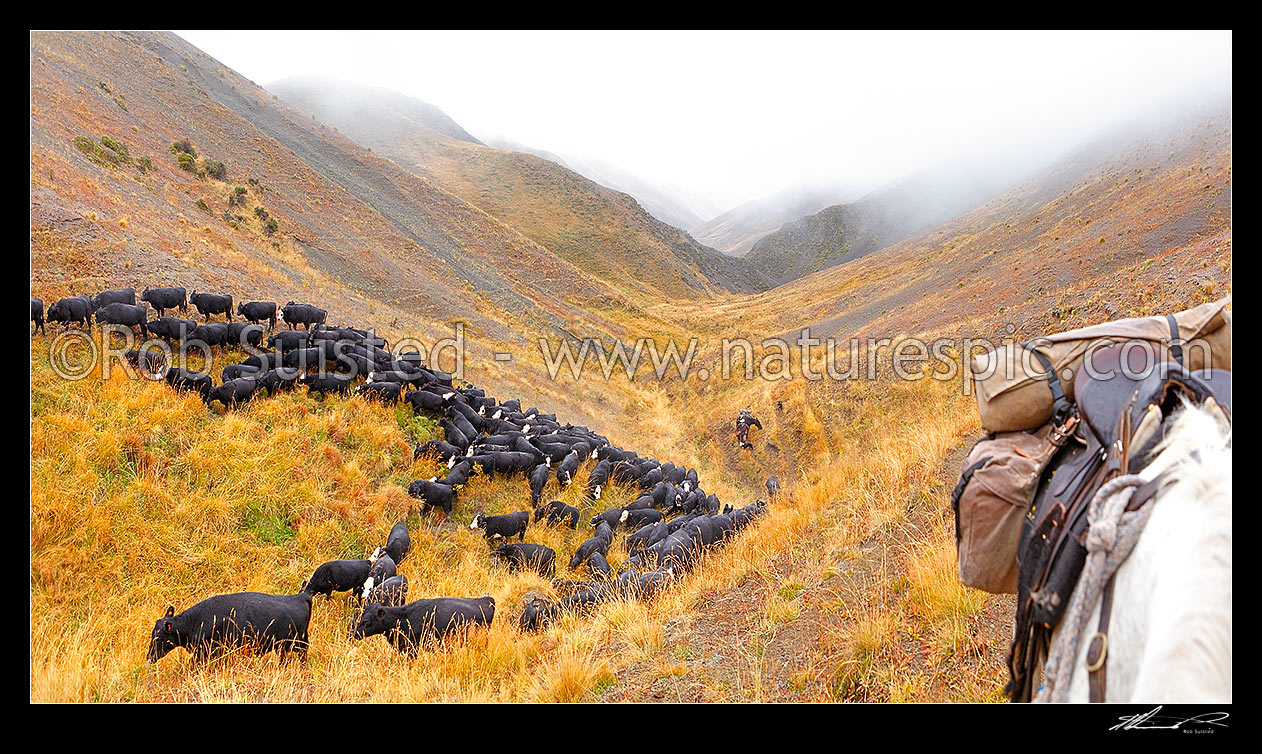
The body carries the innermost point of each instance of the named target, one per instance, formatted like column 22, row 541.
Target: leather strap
column 1098, row 650
column 1061, row 406
column 1176, row 344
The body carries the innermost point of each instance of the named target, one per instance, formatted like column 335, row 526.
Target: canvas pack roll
column 1012, row 384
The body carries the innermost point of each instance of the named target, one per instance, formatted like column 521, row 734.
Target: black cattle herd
column 668, row 526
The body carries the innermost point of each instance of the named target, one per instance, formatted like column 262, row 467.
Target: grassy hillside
column 344, row 217
column 849, row 231
column 604, row 232
column 142, row 498
column 736, row 231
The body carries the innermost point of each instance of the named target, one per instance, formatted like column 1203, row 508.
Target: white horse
column 1169, row 637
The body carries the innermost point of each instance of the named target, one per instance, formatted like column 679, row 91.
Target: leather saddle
column 1123, row 395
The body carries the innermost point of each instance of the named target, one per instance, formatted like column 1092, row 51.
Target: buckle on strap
column 1062, row 432
column 1097, row 651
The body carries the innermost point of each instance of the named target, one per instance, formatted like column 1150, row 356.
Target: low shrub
column 119, row 148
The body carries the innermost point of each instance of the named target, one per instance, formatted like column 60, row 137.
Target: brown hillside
column 602, row 231
column 373, row 243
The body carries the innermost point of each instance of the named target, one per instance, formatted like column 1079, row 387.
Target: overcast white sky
column 733, row 116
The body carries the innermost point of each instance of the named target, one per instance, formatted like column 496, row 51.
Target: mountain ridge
column 602, row 231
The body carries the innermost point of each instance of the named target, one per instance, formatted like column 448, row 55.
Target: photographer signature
column 1151, row 721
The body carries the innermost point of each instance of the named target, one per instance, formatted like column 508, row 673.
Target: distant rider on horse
column 744, row 421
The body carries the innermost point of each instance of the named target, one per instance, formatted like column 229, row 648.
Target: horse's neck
column 1170, row 629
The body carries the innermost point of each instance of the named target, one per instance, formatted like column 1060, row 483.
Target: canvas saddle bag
column 990, row 501
column 1011, row 382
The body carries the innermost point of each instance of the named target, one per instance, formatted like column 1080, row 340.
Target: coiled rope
column 1111, row 536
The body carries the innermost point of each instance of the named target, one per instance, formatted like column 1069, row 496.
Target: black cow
column 166, row 298
column 520, row 555
column 116, row 296
column 380, row 374
column 558, row 511
column 265, row 361
column 638, row 518
column 302, row 314
column 185, row 379
column 506, row 463
column 354, row 365
column 614, row 454
column 274, row 380
column 233, row 371
column 417, row 623
column 596, row 544
column 148, row 361
column 641, row 538
column 567, row 468
column 773, row 486
column 399, row 543
column 640, row 503
column 724, row 525
column 128, row 315
column 257, row 311
column 425, row 401
column 37, row 316
column 433, row 494
column 338, row 576
column 304, row 358
column 383, row 567
column 392, row 591
column 644, row 585
column 599, row 567
column 506, row 526
column 216, row 624
column 445, row 450
column 712, row 504
column 651, row 478
column 598, row 478
column 288, row 340
column 212, row 303
column 326, row 383
column 458, row 475
column 72, row 309
column 538, row 479
column 611, row 517
column 382, row 392
column 461, row 423
column 172, row 329
column 742, row 517
column 242, row 334
column 212, row 334
column 679, row 550
column 232, row 393
column 538, row 613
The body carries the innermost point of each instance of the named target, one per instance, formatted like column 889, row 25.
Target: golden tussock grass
column 142, row 498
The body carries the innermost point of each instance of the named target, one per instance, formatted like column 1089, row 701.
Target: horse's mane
column 1194, row 445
